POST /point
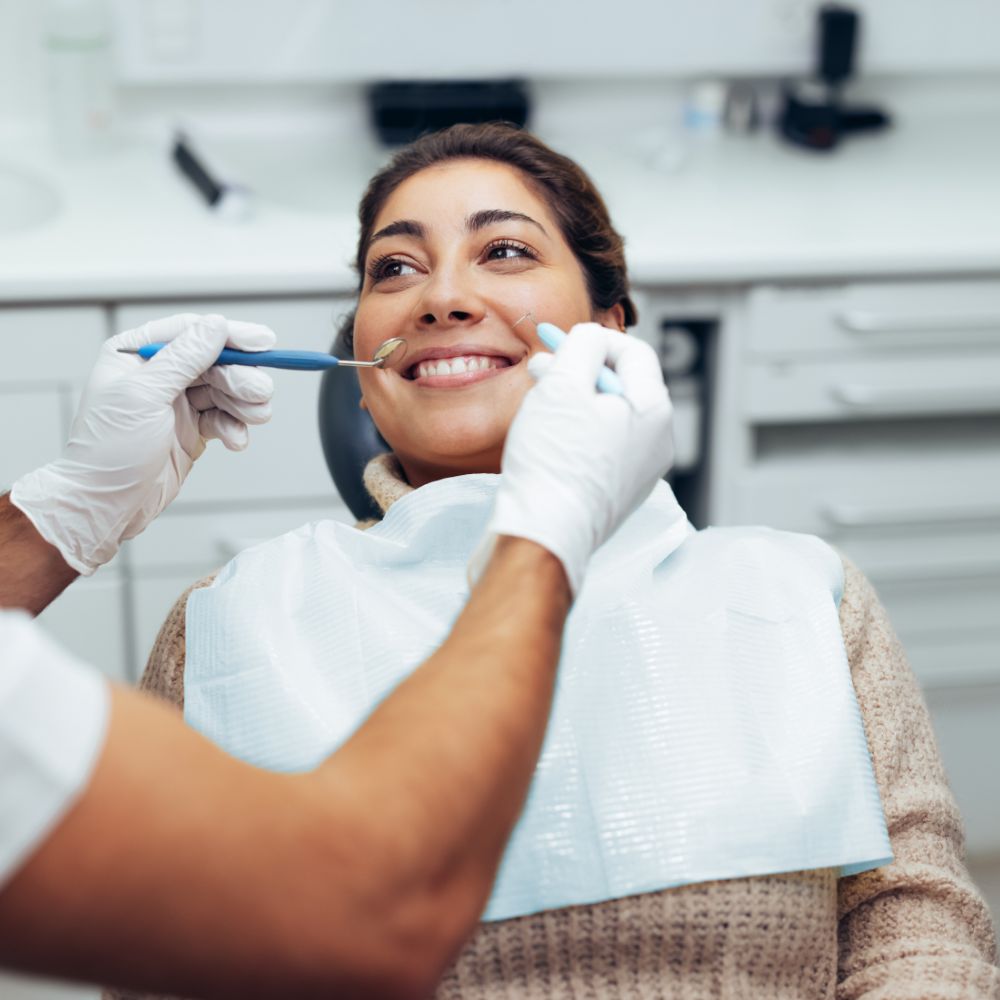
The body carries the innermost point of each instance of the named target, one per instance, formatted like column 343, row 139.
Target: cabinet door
column 32, row 431
column 50, row 345
column 965, row 723
column 284, row 460
column 47, row 355
column 89, row 619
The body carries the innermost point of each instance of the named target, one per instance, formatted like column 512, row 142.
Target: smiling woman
column 461, row 235
column 694, row 829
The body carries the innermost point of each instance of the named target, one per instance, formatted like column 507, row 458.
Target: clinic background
column 828, row 322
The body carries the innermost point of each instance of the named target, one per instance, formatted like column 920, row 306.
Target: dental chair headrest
column 349, row 437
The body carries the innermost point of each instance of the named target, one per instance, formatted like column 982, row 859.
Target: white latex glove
column 140, row 427
column 577, row 462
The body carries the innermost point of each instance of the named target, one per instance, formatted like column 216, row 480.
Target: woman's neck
column 420, row 471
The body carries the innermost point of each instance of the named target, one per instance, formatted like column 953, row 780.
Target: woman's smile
column 458, row 366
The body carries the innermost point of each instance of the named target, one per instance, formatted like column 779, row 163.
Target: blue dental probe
column 551, row 336
column 307, row 361
column 302, row 361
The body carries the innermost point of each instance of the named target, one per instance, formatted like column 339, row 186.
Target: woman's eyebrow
column 401, row 227
column 491, row 216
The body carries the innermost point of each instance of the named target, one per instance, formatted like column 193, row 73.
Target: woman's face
column 459, row 253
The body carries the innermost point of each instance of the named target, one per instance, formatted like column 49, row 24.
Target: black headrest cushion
column 350, row 439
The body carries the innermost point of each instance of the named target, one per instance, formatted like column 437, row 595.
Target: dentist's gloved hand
column 140, row 427
column 577, row 462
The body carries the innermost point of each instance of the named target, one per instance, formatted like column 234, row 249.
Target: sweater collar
column 385, row 481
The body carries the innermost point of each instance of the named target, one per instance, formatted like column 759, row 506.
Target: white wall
column 356, row 39
column 322, row 42
column 22, row 92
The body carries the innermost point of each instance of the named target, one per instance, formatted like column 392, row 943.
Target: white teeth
column 456, row 366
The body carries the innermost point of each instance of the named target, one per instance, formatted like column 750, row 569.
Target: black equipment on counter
column 812, row 114
column 404, row 110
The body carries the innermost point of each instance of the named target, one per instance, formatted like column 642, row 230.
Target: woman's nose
column 448, row 301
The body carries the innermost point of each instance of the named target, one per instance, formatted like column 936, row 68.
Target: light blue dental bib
column 704, row 724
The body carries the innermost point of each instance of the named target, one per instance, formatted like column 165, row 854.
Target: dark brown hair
column 569, row 193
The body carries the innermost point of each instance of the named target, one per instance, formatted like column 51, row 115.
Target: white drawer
column 948, row 624
column 792, row 391
column 285, row 458
column 955, row 662
column 955, row 498
column 89, row 619
column 49, row 345
column 957, row 601
column 927, row 534
column 32, row 431
column 965, row 722
column 872, row 318
column 199, row 542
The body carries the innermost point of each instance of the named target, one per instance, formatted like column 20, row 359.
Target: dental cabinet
column 869, row 413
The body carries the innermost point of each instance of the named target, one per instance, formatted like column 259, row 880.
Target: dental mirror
column 394, row 347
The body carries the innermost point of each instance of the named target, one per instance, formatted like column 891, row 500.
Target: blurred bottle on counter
column 78, row 50
column 704, row 109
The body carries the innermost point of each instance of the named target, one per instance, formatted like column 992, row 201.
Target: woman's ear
column 613, row 318
column 362, row 403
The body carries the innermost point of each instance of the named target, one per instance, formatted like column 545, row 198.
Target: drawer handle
column 862, row 517
column 861, row 321
column 873, row 398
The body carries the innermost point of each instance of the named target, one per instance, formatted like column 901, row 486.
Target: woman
column 465, row 233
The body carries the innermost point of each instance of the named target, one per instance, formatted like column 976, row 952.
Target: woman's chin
column 450, row 455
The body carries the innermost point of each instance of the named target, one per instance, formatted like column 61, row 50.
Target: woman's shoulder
column 164, row 673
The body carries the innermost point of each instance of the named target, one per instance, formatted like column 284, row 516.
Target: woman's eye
column 389, row 267
column 508, row 250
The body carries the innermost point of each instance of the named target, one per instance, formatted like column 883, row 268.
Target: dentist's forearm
column 450, row 754
column 181, row 870
column 33, row 573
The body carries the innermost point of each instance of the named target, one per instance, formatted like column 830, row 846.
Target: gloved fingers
column 582, row 354
column 187, row 356
column 206, row 397
column 246, row 336
column 638, row 369
column 155, row 330
column 540, row 363
column 253, row 385
column 242, row 335
column 193, row 344
column 222, row 426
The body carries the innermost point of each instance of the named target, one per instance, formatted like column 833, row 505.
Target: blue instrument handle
column 303, row 361
column 607, row 381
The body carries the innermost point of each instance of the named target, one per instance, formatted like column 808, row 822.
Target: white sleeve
column 53, row 718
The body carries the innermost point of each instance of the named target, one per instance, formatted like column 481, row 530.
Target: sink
column 26, row 200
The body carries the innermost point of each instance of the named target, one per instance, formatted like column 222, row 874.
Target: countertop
column 922, row 198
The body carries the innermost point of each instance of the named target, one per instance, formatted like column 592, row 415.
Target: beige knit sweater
column 916, row 928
